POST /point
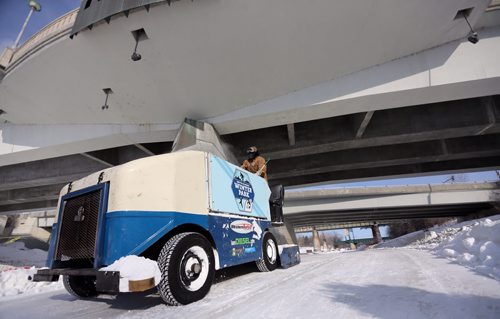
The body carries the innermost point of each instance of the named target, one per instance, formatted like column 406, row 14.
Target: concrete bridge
column 329, row 91
column 326, row 209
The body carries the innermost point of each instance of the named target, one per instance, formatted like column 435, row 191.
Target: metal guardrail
column 51, row 32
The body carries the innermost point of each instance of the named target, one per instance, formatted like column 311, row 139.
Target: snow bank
column 474, row 244
column 14, row 281
column 17, row 263
column 134, row 268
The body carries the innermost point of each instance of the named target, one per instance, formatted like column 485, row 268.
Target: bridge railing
column 51, row 32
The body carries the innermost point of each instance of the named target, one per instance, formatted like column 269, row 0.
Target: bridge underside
column 353, row 218
column 462, row 135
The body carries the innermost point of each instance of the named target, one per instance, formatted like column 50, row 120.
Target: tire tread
column 67, row 285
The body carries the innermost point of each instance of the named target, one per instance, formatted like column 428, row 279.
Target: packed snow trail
column 380, row 283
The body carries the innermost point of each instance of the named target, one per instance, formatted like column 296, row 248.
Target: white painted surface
column 171, row 182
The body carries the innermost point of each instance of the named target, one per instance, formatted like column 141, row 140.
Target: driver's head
column 252, row 152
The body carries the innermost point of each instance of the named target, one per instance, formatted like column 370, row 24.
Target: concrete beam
column 144, row 149
column 341, row 225
column 396, row 158
column 409, row 170
column 291, row 134
column 47, row 172
column 305, row 195
column 378, row 141
column 386, row 127
column 432, row 200
column 362, row 127
column 26, row 207
column 93, row 157
column 130, row 153
column 490, row 106
column 334, row 218
column 382, row 163
column 119, row 155
column 32, row 194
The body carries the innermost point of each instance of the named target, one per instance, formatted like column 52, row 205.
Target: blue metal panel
column 238, row 239
column 52, row 245
column 132, row 232
column 103, row 208
column 237, row 191
column 290, row 256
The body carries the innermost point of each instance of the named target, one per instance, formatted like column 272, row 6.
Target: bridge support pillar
column 377, row 238
column 316, row 240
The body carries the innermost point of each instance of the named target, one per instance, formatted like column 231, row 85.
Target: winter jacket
column 254, row 165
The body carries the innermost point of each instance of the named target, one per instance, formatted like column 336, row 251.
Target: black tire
column 80, row 286
column 188, row 268
column 270, row 258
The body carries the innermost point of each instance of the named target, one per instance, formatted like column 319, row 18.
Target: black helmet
column 252, row 152
column 252, row 149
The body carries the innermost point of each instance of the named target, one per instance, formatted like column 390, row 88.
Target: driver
column 255, row 163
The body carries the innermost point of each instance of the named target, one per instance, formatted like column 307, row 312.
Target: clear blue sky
column 14, row 12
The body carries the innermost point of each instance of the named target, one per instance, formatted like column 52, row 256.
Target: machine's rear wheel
column 187, row 265
column 269, row 261
column 80, row 286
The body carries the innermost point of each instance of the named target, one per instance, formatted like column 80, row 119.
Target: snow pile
column 14, row 281
column 134, row 268
column 17, row 263
column 474, row 244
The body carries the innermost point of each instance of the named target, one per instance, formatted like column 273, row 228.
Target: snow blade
column 289, row 255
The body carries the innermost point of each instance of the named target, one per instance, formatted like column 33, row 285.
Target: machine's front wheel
column 187, row 265
column 269, row 261
column 80, row 286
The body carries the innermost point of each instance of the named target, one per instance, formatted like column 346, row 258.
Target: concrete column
column 377, row 238
column 316, row 240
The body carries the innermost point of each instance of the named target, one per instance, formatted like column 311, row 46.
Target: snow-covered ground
column 404, row 282
column 474, row 244
column 376, row 283
column 17, row 263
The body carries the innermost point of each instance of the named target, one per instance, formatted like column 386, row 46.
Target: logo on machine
column 242, row 241
column 250, row 250
column 242, row 191
column 241, row 227
column 79, row 215
column 237, row 252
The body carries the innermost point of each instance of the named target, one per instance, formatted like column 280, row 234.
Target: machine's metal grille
column 78, row 229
